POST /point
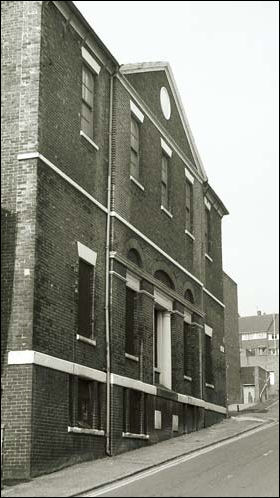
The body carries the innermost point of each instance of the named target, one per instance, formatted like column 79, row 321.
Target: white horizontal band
column 25, row 156
column 133, row 384
column 33, row 357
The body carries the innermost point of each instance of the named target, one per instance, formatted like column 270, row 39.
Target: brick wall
column 232, row 341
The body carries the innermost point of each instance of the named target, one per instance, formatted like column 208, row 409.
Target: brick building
column 232, row 348
column 259, row 345
column 112, row 301
column 255, row 384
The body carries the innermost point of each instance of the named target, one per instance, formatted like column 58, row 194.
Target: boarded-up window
column 85, row 403
column 131, row 321
column 207, row 232
column 85, row 312
column 87, row 101
column 133, row 411
column 208, row 359
column 187, row 350
column 134, row 148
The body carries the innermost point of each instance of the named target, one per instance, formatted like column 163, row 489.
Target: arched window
column 164, row 278
column 134, row 257
column 189, row 296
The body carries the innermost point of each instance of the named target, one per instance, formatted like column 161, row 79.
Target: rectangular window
column 187, row 350
column 208, row 359
column 156, row 338
column 134, row 148
column 133, row 414
column 164, row 182
column 87, row 101
column 85, row 398
column 85, row 304
column 207, row 232
column 131, row 321
column 189, row 206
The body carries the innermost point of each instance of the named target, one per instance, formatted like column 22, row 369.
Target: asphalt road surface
column 246, row 467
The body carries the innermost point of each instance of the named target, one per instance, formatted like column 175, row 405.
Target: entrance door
column 249, row 394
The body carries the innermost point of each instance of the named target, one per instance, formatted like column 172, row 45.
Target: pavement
column 83, row 477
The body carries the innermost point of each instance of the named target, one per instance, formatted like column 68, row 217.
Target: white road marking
column 268, row 452
column 129, row 480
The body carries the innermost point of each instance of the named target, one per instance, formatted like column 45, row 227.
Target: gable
column 149, row 80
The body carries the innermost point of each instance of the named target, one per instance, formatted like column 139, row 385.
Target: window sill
column 136, row 182
column 81, row 430
column 189, row 234
column 82, row 338
column 208, row 257
column 132, row 357
column 209, row 385
column 186, row 377
column 166, row 211
column 130, row 435
column 83, row 134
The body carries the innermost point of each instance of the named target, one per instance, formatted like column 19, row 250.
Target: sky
column 224, row 56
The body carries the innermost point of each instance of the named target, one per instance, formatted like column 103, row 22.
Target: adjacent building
column 112, row 280
column 259, row 345
column 231, row 342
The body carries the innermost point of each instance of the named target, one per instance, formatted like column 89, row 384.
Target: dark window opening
column 164, row 278
column 134, row 257
column 133, row 411
column 208, row 360
column 134, row 148
column 85, row 304
column 189, row 206
column 189, row 296
column 188, row 354
column 131, row 321
column 165, row 181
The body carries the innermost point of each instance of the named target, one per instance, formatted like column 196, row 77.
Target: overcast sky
column 224, row 56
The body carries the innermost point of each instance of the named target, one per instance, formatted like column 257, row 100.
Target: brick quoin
column 54, row 208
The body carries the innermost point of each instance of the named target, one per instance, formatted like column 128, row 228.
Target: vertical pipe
column 107, row 281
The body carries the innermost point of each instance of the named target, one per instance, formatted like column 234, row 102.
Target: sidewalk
column 79, row 478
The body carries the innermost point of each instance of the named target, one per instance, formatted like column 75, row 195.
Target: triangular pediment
column 148, row 79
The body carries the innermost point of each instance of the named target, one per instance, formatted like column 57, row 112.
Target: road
column 248, row 466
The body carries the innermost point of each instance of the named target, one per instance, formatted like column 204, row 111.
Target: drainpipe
column 107, row 284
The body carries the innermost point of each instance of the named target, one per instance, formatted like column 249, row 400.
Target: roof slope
column 258, row 323
column 144, row 67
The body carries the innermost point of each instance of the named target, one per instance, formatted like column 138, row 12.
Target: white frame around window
column 207, row 203
column 166, row 147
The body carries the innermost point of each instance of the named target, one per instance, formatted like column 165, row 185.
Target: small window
column 86, row 293
column 134, row 148
column 189, row 296
column 189, row 206
column 131, row 321
column 207, row 232
column 164, row 278
column 87, row 101
column 208, row 359
column 272, row 378
column 165, row 182
column 188, row 354
column 134, row 412
column 134, row 257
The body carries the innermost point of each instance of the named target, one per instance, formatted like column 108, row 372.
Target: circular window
column 165, row 102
